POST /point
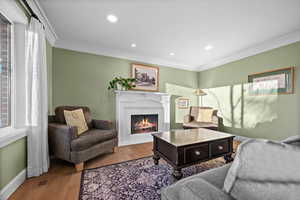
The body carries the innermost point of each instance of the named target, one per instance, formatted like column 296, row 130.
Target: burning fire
column 145, row 123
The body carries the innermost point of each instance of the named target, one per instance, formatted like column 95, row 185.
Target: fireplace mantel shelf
column 140, row 92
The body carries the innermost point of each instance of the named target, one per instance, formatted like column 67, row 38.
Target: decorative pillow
column 266, row 170
column 205, row 115
column 76, row 118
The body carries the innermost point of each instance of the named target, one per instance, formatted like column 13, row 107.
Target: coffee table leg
column 156, row 159
column 228, row 158
column 177, row 173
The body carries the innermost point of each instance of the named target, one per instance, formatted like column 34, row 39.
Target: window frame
column 17, row 129
column 10, row 73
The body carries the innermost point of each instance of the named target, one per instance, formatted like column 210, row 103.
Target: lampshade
column 200, row 92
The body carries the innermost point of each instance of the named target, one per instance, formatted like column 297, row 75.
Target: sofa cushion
column 194, row 124
column 60, row 117
column 92, row 137
column 266, row 170
column 76, row 118
column 215, row 177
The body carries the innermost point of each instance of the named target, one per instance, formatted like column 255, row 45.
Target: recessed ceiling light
column 112, row 18
column 208, row 47
column 172, row 54
column 133, row 45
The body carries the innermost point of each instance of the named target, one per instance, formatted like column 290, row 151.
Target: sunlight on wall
column 239, row 107
column 177, row 92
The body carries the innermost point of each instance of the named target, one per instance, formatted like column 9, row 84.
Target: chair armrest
column 215, row 119
column 51, row 118
column 187, row 118
column 60, row 138
column 103, row 124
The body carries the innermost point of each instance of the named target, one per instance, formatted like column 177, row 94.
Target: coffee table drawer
column 219, row 147
column 196, row 153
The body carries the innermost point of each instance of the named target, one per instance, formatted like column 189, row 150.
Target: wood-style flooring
column 62, row 182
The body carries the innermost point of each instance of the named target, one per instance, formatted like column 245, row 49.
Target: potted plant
column 119, row 83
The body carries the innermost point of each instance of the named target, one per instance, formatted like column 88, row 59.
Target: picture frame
column 278, row 81
column 183, row 103
column 147, row 77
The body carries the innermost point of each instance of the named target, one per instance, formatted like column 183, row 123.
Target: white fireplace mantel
column 138, row 102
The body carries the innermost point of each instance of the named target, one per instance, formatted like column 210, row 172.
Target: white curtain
column 36, row 100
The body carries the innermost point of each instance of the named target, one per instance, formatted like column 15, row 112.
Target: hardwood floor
column 62, row 182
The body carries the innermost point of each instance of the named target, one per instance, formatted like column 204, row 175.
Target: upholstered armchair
column 191, row 121
column 64, row 142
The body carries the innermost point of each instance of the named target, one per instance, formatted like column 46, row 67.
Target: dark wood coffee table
column 183, row 148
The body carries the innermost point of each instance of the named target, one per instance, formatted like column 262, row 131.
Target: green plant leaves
column 127, row 83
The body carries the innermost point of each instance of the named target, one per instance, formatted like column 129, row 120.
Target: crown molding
column 96, row 49
column 254, row 50
column 38, row 10
column 12, row 12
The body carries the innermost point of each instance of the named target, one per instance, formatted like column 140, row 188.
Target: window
column 5, row 71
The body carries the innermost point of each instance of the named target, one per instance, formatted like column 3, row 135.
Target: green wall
column 12, row 161
column 49, row 71
column 82, row 79
column 285, row 108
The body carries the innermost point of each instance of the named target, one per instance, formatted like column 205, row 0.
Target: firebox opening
column 144, row 123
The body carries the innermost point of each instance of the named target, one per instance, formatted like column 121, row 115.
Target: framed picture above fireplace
column 147, row 77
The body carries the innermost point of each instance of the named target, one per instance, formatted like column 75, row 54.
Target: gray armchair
column 190, row 120
column 65, row 143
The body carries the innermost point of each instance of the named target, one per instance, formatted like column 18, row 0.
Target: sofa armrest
column 103, row 124
column 194, row 188
column 187, row 118
column 60, row 138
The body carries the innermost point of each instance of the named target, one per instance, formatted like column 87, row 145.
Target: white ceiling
column 236, row 28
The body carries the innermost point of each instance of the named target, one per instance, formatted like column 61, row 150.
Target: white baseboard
column 13, row 185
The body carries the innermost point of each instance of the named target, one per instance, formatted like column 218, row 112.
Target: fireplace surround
column 144, row 107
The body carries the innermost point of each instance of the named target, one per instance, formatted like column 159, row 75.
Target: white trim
column 13, row 12
column 259, row 48
column 9, row 135
column 38, row 10
column 119, row 92
column 254, row 50
column 96, row 49
column 13, row 185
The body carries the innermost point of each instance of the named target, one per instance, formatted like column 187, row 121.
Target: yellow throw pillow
column 205, row 115
column 76, row 118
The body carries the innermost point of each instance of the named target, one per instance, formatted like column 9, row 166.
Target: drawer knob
column 220, row 147
column 197, row 153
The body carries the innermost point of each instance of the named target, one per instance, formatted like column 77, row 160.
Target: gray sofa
column 65, row 144
column 207, row 185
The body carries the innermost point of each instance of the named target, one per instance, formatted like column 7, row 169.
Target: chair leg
column 79, row 167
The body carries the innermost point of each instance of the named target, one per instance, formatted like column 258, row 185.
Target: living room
column 167, row 100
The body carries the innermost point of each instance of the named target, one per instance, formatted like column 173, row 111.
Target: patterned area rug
column 136, row 179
